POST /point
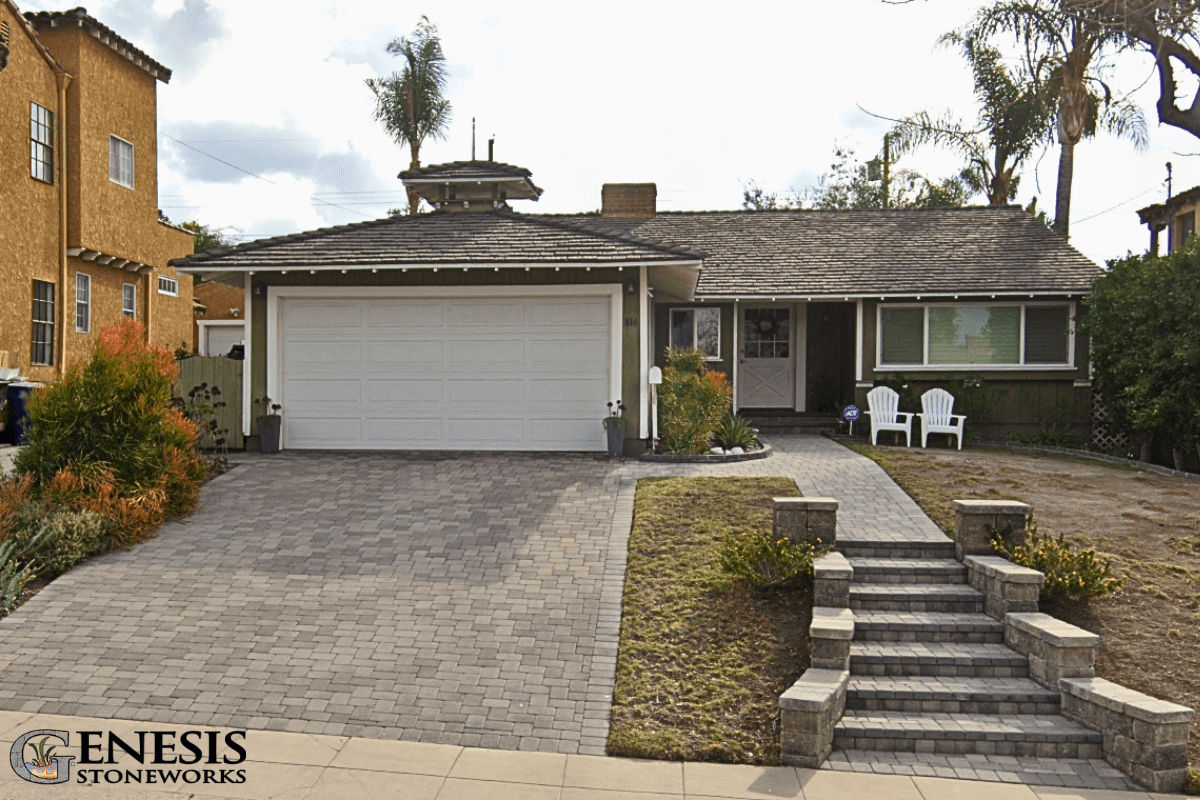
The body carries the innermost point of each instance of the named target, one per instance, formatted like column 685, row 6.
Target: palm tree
column 1014, row 118
column 1064, row 53
column 409, row 104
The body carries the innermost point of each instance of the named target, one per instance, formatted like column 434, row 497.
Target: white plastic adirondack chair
column 883, row 406
column 936, row 405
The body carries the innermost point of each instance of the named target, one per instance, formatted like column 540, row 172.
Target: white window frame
column 129, row 310
column 41, row 136
column 83, row 302
column 171, row 282
column 1021, row 366
column 119, row 175
column 671, row 326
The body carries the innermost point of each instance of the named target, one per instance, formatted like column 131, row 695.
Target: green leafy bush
column 1054, row 436
column 765, row 562
column 107, row 438
column 1070, row 575
column 737, row 431
column 39, row 542
column 692, row 402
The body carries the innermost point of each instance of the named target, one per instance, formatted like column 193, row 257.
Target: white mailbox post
column 654, row 380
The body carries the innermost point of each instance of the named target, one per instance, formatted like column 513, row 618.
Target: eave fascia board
column 843, row 296
column 202, row 269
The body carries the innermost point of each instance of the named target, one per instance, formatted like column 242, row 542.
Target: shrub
column 37, row 542
column 1054, row 436
column 691, row 402
column 736, row 431
column 1069, row 575
column 108, row 439
column 765, row 562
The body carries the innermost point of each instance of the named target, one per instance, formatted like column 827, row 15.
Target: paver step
column 926, row 626
column 1043, row 736
column 907, row 570
column 944, row 695
column 944, row 659
column 852, row 547
column 915, row 597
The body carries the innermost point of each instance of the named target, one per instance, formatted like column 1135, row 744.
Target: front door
column 766, row 370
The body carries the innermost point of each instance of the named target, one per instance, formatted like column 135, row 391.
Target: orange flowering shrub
column 692, row 402
column 108, row 439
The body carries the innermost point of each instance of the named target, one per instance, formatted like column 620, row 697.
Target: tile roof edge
column 134, row 55
column 256, row 244
column 556, row 221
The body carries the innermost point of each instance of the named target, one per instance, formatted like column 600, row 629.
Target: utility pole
column 1168, row 181
column 887, row 167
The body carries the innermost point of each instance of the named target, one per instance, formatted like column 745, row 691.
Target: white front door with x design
column 767, row 363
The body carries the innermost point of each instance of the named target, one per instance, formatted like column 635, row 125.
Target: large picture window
column 43, row 323
column 976, row 335
column 699, row 328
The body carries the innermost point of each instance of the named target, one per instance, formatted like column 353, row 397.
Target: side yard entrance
column 224, row 374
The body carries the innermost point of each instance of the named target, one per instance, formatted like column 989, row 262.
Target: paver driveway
column 470, row 600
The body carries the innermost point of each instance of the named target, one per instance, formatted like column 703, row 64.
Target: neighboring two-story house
column 1176, row 217
column 81, row 242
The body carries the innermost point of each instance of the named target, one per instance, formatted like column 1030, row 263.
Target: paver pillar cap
column 992, row 507
column 807, row 503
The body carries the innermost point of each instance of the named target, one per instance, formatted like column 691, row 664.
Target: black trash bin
column 17, row 395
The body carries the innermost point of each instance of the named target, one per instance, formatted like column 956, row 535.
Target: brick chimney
column 629, row 200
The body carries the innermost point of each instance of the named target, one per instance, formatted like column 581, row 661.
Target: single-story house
column 475, row 327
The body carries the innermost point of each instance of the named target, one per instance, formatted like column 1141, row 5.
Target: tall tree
column 1169, row 30
column 1014, row 119
column 1066, row 54
column 410, row 104
column 206, row 238
column 847, row 185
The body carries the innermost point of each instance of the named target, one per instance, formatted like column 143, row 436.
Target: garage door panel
column 446, row 373
column 419, row 353
column 570, row 313
column 308, row 314
column 486, row 313
column 568, row 354
column 322, row 391
column 404, row 314
column 486, row 391
column 493, row 431
column 318, row 431
column 405, row 431
column 403, row 391
column 561, row 391
column 484, row 354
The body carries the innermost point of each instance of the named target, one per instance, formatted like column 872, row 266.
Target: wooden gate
column 224, row 374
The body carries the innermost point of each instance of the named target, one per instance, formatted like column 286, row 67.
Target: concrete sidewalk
column 298, row 766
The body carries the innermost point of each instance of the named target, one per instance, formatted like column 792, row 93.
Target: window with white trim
column 41, row 143
column 83, row 302
column 129, row 300
column 976, row 335
column 699, row 328
column 43, row 324
column 120, row 161
column 168, row 286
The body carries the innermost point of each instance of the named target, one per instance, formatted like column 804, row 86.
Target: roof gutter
column 893, row 295
column 202, row 267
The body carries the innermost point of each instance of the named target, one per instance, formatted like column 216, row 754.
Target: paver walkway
column 461, row 600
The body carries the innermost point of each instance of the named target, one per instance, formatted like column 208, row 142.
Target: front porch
column 791, row 363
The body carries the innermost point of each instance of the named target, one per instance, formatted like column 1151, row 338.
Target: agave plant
column 736, row 431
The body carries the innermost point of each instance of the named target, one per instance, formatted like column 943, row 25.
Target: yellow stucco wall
column 28, row 207
column 107, row 95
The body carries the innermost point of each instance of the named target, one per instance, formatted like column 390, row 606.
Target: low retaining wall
column 976, row 520
column 1147, row 739
column 808, row 713
column 1006, row 587
column 1056, row 649
column 805, row 519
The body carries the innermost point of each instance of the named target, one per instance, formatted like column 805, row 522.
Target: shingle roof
column 967, row 250
column 104, row 34
column 468, row 170
column 1162, row 212
column 491, row 237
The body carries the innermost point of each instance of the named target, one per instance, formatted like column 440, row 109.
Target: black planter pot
column 616, row 438
column 269, row 429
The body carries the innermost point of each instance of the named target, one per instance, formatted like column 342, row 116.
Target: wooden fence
column 224, row 374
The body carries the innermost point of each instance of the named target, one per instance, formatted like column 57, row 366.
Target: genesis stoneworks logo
column 163, row 757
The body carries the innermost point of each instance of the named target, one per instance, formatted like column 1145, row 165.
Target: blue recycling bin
column 17, row 395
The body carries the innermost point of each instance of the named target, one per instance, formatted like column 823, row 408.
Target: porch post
column 247, row 351
column 858, row 341
column 734, row 355
column 644, row 352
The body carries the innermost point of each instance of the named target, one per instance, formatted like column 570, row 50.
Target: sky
column 266, row 126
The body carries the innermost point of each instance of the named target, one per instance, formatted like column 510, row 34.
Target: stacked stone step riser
column 879, row 604
column 964, row 635
column 949, row 706
column 883, row 549
column 968, row 746
column 903, row 670
column 909, row 571
column 919, row 627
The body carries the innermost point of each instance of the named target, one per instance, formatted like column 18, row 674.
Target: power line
column 1114, row 208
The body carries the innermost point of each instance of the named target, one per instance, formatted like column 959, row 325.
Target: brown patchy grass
column 702, row 659
column 1148, row 524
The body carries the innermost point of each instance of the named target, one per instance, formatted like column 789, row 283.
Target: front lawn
column 703, row 659
column 1148, row 524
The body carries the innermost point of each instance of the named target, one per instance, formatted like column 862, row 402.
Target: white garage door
column 219, row 339
column 508, row 373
